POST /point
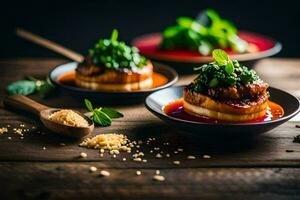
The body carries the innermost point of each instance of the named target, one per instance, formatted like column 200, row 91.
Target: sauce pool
column 69, row 79
column 175, row 109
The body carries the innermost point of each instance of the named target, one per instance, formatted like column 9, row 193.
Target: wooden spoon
column 24, row 103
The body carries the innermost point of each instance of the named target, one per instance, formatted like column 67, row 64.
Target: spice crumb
column 158, row 178
column 167, row 155
column 83, row 155
column 3, row 130
column 104, row 173
column 158, row 155
column 137, row 159
column 191, row 157
column 157, row 172
column 176, row 162
column 206, row 156
column 9, row 138
column 93, row 169
column 144, row 160
column 124, row 159
column 44, row 148
column 180, row 150
column 138, row 173
column 289, row 150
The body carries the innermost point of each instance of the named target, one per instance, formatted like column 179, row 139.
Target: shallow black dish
column 157, row 100
column 110, row 97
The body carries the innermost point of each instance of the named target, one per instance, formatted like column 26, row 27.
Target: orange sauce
column 69, row 79
column 175, row 109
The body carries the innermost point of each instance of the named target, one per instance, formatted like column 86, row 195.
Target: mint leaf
column 101, row 118
column 21, row 87
column 88, row 105
column 220, row 57
column 112, row 113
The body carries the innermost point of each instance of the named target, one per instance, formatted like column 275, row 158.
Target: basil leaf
column 112, row 113
column 88, row 105
column 101, row 118
column 220, row 57
column 21, row 87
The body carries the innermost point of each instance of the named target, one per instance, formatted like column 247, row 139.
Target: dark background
column 78, row 24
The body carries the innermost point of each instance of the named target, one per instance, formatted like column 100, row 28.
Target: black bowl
column 110, row 97
column 157, row 100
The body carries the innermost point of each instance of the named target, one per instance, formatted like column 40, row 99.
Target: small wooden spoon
column 24, row 103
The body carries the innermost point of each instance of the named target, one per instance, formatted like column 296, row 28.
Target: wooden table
column 41, row 165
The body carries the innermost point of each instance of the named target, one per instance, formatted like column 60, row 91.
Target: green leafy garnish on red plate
column 203, row 34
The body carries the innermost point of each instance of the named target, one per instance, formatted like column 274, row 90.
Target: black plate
column 157, row 100
column 110, row 97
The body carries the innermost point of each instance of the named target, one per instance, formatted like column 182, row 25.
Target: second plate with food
column 177, row 118
column 63, row 77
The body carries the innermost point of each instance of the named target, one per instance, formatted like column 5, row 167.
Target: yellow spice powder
column 69, row 118
column 110, row 141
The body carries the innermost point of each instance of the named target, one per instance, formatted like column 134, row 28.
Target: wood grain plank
column 74, row 181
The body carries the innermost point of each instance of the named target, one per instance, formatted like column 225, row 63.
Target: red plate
column 149, row 46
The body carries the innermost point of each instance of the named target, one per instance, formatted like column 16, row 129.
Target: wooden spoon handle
column 50, row 45
column 24, row 103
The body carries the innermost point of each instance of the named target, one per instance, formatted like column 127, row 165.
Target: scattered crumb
column 62, row 144
column 9, row 138
column 83, row 155
column 44, row 148
column 101, row 154
column 3, row 130
column 176, row 162
column 138, row 173
column 144, row 160
column 157, row 172
column 167, row 155
column 158, row 178
column 206, row 156
column 175, row 152
column 289, row 150
column 93, row 169
column 180, row 150
column 158, row 155
column 19, row 131
column 124, row 159
column 191, row 157
column 104, row 173
column 137, row 159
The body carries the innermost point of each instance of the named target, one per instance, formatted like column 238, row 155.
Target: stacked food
column 112, row 65
column 226, row 90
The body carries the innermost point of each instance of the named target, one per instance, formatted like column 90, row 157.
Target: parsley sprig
column 102, row 115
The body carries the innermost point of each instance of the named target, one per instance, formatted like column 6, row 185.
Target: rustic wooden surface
column 37, row 166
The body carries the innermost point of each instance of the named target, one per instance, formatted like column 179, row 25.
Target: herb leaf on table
column 102, row 115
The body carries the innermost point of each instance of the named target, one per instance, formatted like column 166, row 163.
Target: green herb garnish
column 114, row 54
column 102, row 116
column 222, row 72
column 203, row 34
column 27, row 87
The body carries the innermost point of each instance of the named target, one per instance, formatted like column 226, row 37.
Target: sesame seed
column 158, row 155
column 158, row 178
column 104, row 173
column 176, row 162
column 137, row 159
column 83, row 155
column 206, row 156
column 191, row 157
column 93, row 169
column 138, row 173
